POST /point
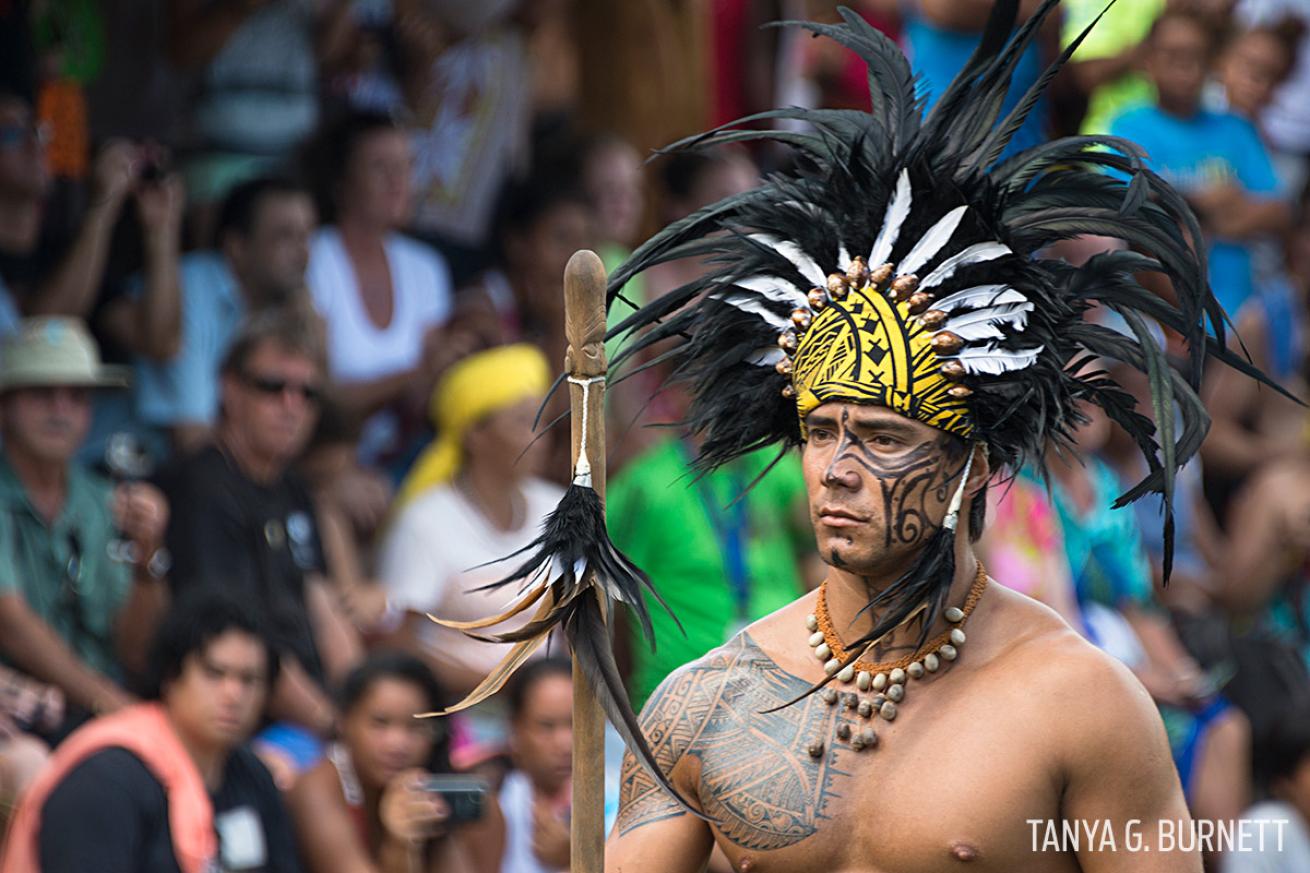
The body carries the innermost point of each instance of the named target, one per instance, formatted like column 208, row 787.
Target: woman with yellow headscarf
column 473, row 496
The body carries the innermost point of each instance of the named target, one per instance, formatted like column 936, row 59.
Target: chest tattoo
column 766, row 778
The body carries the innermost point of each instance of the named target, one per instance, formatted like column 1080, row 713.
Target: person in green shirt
column 81, row 561
column 720, row 562
column 1108, row 64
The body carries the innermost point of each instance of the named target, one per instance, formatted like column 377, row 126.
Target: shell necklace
column 887, row 679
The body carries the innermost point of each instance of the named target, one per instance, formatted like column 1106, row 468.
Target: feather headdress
column 900, row 265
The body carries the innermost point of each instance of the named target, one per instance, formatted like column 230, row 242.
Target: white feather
column 843, row 258
column 773, row 288
column 974, row 254
column 932, row 242
column 991, row 361
column 979, row 295
column 750, row 303
column 892, row 219
column 766, row 357
column 1012, row 314
column 792, row 252
column 987, row 328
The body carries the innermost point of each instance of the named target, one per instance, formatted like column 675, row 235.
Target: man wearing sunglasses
column 244, row 521
column 80, row 560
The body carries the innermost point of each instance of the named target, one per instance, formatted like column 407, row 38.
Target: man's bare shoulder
column 702, row 709
column 1061, row 671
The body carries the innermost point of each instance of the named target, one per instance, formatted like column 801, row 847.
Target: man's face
column 1178, row 62
column 274, row 401
column 47, row 423
column 216, row 700
column 542, row 735
column 879, row 485
column 23, row 171
column 272, row 260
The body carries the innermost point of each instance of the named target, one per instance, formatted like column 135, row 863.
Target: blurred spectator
column 940, row 35
column 167, row 785
column 383, row 57
column 612, row 181
column 383, row 296
column 536, row 794
column 1253, row 63
column 1216, row 160
column 1107, row 67
column 540, row 223
column 24, row 706
column 611, row 174
column 724, row 556
column 472, row 118
column 351, row 504
column 1265, row 570
column 81, row 590
column 834, row 75
column 1022, row 545
column 1286, row 813
column 1286, row 121
column 244, row 522
column 24, row 180
column 256, row 65
column 1112, row 581
column 472, row 497
column 688, row 181
column 42, row 272
column 259, row 263
column 366, row 807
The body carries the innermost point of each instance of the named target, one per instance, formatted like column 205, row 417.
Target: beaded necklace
column 887, row 679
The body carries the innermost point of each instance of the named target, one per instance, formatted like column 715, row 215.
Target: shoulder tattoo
column 757, row 778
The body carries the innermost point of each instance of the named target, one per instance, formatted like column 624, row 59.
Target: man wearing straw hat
column 81, row 561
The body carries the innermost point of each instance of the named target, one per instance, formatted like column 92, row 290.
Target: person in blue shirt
column 1215, row 159
column 263, row 251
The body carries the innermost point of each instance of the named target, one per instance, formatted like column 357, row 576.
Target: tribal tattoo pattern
column 758, row 780
column 905, row 483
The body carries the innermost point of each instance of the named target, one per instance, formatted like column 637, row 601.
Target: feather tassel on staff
column 572, row 575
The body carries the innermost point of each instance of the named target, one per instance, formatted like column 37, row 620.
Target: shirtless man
column 889, row 307
column 1030, row 723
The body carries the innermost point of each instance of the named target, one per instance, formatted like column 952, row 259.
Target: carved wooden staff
column 584, row 327
column 572, row 575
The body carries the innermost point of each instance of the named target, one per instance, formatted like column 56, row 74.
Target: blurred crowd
column 281, row 298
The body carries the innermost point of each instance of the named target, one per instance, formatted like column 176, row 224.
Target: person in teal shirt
column 719, row 561
column 81, row 562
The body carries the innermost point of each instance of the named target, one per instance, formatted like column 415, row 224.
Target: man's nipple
column 963, row 851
